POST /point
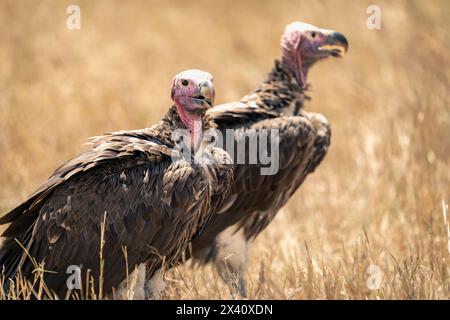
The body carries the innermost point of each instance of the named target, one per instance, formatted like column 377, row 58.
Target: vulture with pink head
column 304, row 138
column 130, row 189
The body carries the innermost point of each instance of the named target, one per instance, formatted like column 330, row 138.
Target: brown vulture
column 152, row 201
column 304, row 139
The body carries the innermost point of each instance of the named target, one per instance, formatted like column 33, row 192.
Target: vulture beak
column 206, row 92
column 335, row 43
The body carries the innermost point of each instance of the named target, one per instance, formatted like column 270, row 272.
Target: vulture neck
column 172, row 121
column 283, row 73
column 280, row 92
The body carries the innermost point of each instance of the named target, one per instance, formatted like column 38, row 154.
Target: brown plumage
column 255, row 199
column 154, row 204
column 304, row 140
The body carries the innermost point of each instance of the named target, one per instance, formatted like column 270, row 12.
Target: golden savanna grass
column 377, row 199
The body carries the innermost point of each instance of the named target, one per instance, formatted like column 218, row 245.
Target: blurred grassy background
column 376, row 198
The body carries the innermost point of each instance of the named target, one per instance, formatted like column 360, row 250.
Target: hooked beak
column 206, row 93
column 336, row 44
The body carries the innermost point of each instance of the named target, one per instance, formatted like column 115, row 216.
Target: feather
column 304, row 139
column 120, row 178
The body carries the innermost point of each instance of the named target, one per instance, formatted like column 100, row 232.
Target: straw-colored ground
column 377, row 199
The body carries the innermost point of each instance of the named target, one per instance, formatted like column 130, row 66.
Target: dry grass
column 376, row 199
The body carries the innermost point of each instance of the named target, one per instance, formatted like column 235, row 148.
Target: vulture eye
column 313, row 34
column 184, row 82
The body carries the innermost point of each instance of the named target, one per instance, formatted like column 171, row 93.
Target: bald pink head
column 193, row 93
column 303, row 44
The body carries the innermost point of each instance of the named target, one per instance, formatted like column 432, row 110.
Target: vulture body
column 152, row 203
column 255, row 199
column 304, row 139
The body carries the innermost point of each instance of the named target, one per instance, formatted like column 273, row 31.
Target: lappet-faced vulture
column 304, row 139
column 153, row 201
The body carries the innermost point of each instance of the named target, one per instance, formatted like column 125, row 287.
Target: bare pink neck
column 193, row 124
column 292, row 59
column 293, row 62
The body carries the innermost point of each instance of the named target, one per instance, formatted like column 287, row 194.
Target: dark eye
column 313, row 34
column 184, row 82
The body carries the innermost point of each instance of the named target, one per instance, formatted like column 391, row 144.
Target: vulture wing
column 153, row 207
column 254, row 198
column 304, row 139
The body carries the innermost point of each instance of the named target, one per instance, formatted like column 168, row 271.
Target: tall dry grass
column 377, row 199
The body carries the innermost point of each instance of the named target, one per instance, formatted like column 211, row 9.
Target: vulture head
column 303, row 44
column 193, row 93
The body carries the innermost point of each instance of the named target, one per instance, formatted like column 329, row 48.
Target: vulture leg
column 230, row 258
column 155, row 287
column 133, row 287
